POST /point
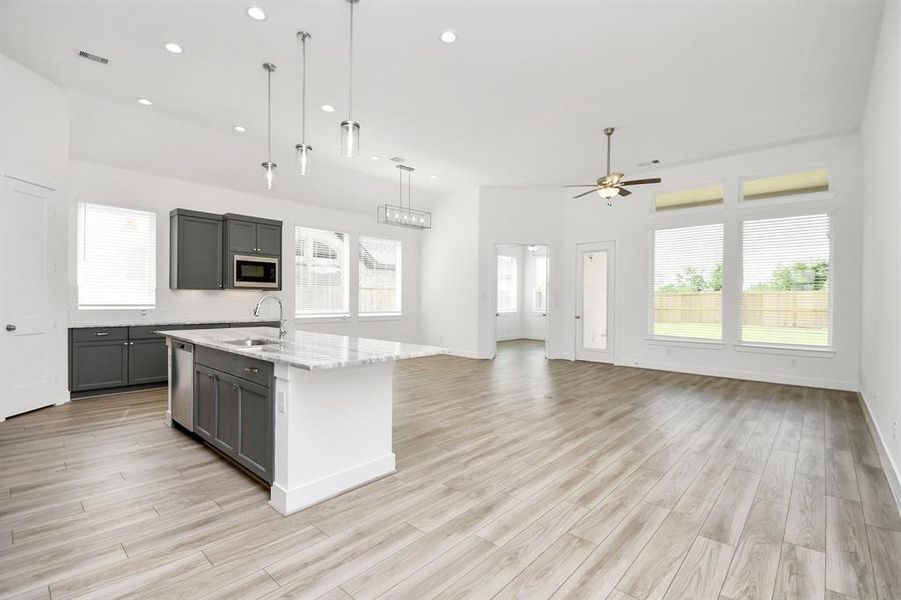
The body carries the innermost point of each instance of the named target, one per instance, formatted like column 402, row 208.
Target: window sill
column 824, row 352
column 380, row 317
column 322, row 318
column 686, row 342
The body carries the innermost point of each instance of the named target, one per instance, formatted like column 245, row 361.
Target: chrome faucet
column 282, row 327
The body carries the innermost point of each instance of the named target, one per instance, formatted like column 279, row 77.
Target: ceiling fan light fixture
column 608, row 192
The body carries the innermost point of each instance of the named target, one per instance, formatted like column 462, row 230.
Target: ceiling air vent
column 398, row 159
column 649, row 163
column 92, row 57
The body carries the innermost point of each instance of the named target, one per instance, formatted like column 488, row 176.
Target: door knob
column 10, row 327
column 578, row 316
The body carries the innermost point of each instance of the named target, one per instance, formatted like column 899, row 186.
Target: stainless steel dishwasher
column 183, row 384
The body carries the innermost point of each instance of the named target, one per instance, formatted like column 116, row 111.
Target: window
column 116, row 257
column 808, row 182
column 320, row 273
column 506, row 284
column 688, row 282
column 705, row 196
column 786, row 281
column 380, row 276
column 539, row 292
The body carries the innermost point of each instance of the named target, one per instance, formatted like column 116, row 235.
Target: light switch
column 282, row 403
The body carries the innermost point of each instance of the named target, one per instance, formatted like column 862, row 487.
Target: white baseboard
column 287, row 501
column 892, row 472
column 462, row 353
column 511, row 338
column 831, row 384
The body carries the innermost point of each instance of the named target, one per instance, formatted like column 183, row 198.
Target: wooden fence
column 766, row 309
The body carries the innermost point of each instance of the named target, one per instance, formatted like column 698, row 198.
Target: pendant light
column 303, row 150
column 404, row 216
column 350, row 129
column 269, row 167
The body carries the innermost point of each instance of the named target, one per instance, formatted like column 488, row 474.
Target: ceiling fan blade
column 624, row 192
column 585, row 193
column 641, row 181
column 585, row 185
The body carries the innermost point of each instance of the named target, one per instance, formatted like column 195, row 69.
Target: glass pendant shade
column 608, row 192
column 302, row 153
column 350, row 138
column 270, row 170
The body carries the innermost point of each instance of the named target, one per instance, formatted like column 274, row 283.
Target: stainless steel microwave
column 256, row 272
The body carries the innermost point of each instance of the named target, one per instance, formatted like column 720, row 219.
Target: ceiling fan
column 612, row 184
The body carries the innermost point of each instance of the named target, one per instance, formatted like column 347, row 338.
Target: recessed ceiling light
column 448, row 37
column 433, row 177
column 373, row 157
column 327, row 108
column 240, row 128
column 173, row 47
column 256, row 13
column 144, row 101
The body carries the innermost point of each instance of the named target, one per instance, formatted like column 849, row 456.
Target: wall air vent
column 92, row 57
column 398, row 159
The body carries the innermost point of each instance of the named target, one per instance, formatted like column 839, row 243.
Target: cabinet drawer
column 99, row 334
column 257, row 371
column 146, row 332
column 214, row 359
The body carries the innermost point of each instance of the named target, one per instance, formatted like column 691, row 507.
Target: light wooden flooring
column 516, row 478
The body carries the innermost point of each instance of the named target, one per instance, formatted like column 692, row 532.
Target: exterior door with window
column 29, row 340
column 595, row 266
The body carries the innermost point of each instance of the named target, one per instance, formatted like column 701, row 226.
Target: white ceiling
column 520, row 99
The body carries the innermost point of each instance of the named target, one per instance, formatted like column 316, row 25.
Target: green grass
column 798, row 336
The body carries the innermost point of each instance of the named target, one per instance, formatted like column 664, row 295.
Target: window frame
column 787, row 212
column 651, row 296
column 374, row 316
column 516, row 285
column 155, row 259
column 324, row 316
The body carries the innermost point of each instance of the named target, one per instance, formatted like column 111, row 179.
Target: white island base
column 332, row 432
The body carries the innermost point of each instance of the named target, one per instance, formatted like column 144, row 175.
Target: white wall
column 880, row 332
column 548, row 215
column 449, row 284
column 106, row 185
column 34, row 147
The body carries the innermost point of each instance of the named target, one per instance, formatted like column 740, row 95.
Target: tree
column 716, row 278
column 692, row 279
column 799, row 276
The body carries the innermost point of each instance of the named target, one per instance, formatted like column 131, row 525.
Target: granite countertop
column 306, row 350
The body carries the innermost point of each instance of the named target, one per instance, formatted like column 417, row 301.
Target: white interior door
column 595, row 268
column 27, row 300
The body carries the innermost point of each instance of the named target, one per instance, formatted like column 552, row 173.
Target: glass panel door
column 594, row 301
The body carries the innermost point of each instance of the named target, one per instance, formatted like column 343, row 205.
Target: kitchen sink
column 254, row 343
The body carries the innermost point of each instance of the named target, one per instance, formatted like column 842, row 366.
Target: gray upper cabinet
column 196, row 250
column 252, row 235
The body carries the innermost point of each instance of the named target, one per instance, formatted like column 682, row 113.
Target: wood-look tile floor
column 516, row 478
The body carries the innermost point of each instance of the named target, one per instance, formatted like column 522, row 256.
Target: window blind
column 808, row 182
column 506, row 284
column 380, row 276
column 786, row 281
column 116, row 257
column 687, row 282
column 320, row 272
column 705, row 196
column 539, row 294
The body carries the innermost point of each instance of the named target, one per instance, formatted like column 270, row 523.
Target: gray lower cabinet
column 98, row 364
column 234, row 414
column 148, row 361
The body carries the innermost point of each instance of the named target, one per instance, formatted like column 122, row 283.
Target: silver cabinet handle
column 252, row 370
column 124, row 343
column 10, row 327
column 101, row 333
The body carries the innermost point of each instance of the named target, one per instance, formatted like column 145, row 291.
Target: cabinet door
column 227, row 394
column 269, row 239
column 255, row 442
column 242, row 236
column 148, row 361
column 98, row 365
column 199, row 253
column 205, row 389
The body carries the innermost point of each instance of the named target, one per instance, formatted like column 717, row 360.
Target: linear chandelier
column 404, row 216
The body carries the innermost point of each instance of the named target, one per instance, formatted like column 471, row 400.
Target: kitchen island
column 311, row 415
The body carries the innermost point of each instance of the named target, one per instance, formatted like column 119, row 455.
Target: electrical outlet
column 895, row 429
column 282, row 403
